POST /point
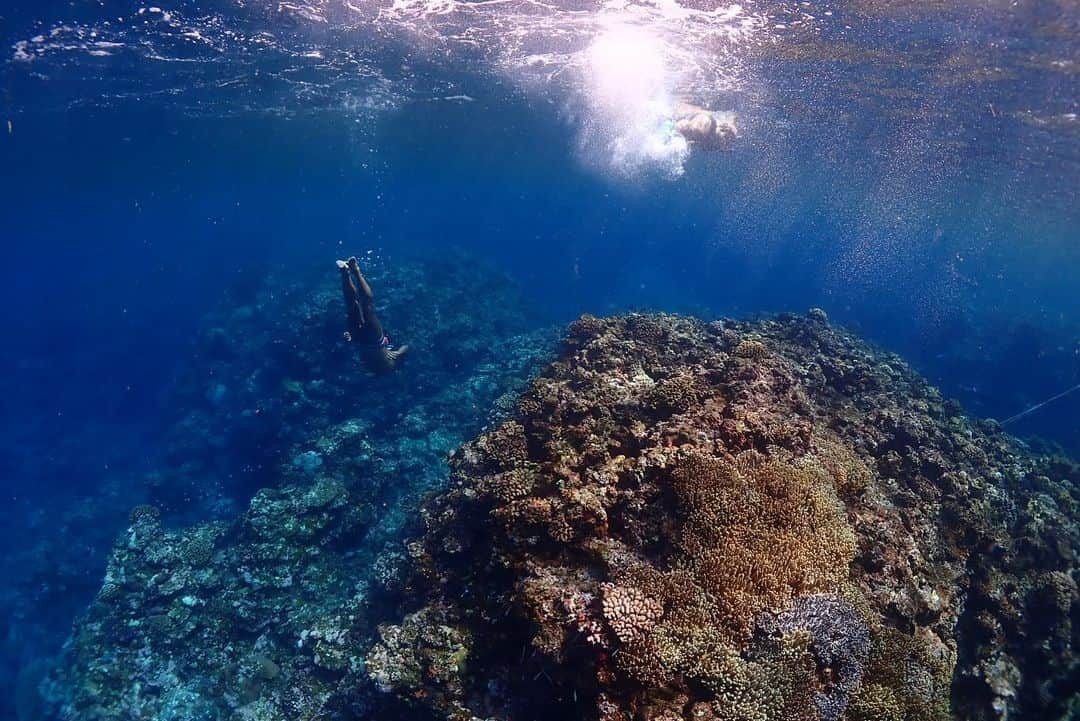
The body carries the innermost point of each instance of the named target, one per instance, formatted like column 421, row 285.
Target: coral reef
column 681, row 521
column 266, row 613
column 201, row 628
column 763, row 521
column 271, row 372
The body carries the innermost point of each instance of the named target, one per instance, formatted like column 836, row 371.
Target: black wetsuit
column 365, row 330
column 364, row 326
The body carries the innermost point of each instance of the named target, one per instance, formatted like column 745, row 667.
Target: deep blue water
column 924, row 193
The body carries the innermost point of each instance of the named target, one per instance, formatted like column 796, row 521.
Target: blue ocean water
column 913, row 171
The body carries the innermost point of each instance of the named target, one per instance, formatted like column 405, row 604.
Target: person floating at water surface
column 703, row 128
column 364, row 328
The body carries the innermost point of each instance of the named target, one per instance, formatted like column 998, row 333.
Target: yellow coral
column 916, row 675
column 751, row 349
column 851, row 474
column 759, row 532
column 875, row 702
column 778, row 690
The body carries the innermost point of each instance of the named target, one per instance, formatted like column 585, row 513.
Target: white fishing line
column 1037, row 406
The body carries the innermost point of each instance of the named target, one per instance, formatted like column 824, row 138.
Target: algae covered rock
column 763, row 521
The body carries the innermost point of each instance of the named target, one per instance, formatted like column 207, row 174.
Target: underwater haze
column 179, row 177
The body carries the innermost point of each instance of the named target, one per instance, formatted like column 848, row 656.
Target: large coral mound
column 740, row 521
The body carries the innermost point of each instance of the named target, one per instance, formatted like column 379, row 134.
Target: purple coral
column 840, row 642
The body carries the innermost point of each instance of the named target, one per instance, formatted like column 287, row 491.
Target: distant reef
column 272, row 390
column 678, row 521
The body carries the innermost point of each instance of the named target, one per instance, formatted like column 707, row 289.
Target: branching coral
column 629, row 612
column 751, row 349
column 759, row 532
column 674, row 395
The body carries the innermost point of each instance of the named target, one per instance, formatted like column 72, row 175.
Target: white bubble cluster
column 616, row 65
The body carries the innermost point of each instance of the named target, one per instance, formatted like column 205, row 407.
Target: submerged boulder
column 764, row 521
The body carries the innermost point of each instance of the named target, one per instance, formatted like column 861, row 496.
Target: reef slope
column 682, row 521
column 740, row 521
column 308, row 468
column 270, row 375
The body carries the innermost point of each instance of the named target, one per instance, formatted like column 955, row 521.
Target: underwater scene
column 540, row 360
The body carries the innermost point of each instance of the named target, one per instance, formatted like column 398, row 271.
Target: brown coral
column 674, row 395
column 506, row 446
column 759, row 532
column 747, row 522
column 751, row 349
column 646, row 329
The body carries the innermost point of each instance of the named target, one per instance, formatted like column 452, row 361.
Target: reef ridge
column 681, row 521
column 740, row 521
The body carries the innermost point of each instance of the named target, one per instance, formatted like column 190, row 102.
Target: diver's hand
column 397, row 355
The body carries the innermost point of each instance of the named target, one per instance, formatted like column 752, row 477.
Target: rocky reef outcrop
column 265, row 612
column 679, row 521
column 734, row 521
column 273, row 387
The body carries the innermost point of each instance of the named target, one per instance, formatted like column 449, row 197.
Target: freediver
column 703, row 128
column 364, row 328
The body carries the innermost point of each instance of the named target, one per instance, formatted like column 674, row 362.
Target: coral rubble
column 682, row 521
